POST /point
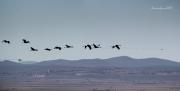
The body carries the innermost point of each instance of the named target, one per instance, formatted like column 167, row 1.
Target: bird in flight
column 116, row 46
column 96, row 46
column 68, row 46
column 6, row 41
column 33, row 49
column 57, row 47
column 47, row 49
column 88, row 46
column 19, row 60
column 25, row 41
column 162, row 49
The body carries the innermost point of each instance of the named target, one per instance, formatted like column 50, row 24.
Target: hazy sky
column 141, row 30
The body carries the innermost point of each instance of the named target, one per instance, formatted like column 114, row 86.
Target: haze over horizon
column 141, row 30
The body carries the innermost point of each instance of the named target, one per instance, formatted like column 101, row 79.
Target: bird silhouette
column 25, row 41
column 88, row 46
column 162, row 49
column 68, row 46
column 57, row 47
column 47, row 49
column 6, row 41
column 19, row 60
column 116, row 46
column 96, row 46
column 33, row 49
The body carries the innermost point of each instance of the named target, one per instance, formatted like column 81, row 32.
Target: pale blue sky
column 132, row 23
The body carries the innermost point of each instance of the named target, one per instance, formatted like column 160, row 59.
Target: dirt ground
column 79, row 86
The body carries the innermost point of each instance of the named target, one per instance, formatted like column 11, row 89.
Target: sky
column 142, row 27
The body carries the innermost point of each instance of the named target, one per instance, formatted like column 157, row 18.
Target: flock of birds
column 88, row 46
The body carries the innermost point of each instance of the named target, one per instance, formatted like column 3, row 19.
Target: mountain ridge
column 122, row 61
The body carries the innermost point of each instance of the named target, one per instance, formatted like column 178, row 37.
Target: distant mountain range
column 122, row 61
